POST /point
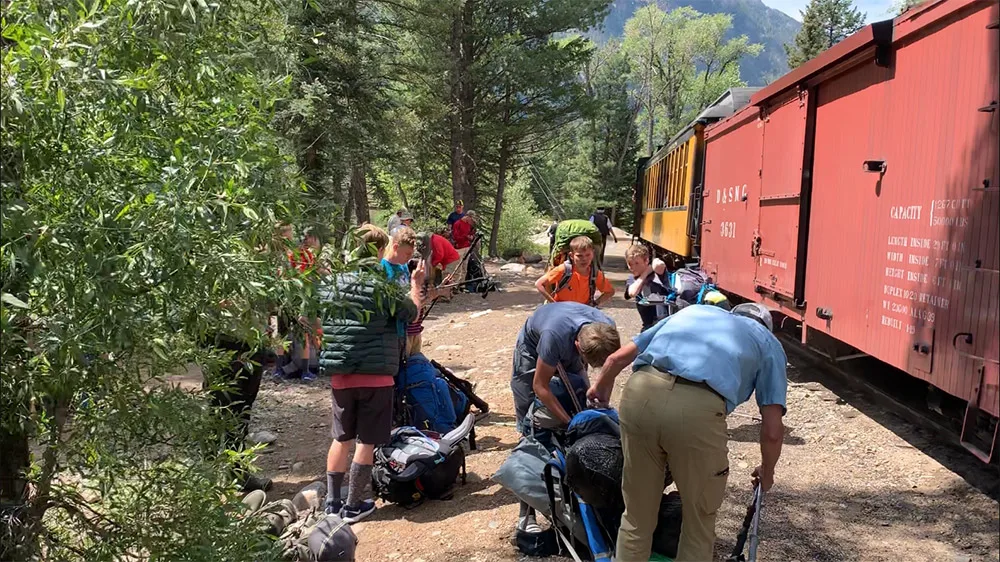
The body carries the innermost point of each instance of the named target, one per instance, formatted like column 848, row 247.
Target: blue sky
column 875, row 10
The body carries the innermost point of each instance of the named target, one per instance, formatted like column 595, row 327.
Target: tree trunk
column 501, row 185
column 359, row 191
column 401, row 194
column 463, row 160
column 468, row 103
column 458, row 177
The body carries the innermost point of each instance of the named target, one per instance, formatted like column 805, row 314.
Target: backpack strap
column 569, row 388
column 566, row 276
column 592, row 283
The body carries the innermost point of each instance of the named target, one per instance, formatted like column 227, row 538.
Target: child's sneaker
column 334, row 507
column 308, row 376
column 352, row 515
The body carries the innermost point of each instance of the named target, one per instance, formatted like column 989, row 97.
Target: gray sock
column 361, row 476
column 334, row 480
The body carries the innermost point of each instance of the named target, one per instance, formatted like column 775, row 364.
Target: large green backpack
column 570, row 229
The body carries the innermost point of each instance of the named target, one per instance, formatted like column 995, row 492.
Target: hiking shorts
column 364, row 414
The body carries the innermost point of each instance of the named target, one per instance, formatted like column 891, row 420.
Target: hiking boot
column 352, row 515
column 255, row 483
column 333, row 507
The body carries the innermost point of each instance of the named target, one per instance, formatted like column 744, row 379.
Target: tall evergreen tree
column 824, row 24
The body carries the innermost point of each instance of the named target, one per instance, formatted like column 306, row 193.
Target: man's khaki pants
column 665, row 422
column 457, row 269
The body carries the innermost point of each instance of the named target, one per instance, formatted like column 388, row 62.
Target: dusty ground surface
column 853, row 482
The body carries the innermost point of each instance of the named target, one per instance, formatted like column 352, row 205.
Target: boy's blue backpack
column 431, row 404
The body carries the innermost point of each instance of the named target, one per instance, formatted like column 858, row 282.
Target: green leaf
column 13, row 301
column 150, row 197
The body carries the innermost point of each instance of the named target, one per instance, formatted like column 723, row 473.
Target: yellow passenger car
column 669, row 187
column 668, row 182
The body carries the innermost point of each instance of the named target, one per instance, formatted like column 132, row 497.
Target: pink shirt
column 343, row 382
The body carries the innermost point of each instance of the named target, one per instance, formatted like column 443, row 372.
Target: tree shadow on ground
column 943, row 449
column 750, row 433
column 468, row 498
column 490, row 444
column 832, row 523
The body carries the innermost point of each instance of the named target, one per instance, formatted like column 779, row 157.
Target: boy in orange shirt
column 576, row 280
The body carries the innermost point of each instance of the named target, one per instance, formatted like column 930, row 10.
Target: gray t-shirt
column 550, row 333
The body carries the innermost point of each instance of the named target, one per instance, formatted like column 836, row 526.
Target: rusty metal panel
column 780, row 190
column 903, row 251
column 731, row 194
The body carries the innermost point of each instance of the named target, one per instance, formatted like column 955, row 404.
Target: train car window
column 661, row 183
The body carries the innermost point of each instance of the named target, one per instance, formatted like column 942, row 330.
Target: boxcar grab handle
column 968, row 339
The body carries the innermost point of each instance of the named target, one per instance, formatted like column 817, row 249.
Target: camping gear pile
column 300, row 525
column 687, row 286
column 574, row 477
column 433, row 416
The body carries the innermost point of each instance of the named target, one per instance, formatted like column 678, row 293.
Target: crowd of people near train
column 692, row 364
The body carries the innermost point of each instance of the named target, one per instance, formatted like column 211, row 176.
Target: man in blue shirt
column 690, row 370
column 569, row 334
column 457, row 214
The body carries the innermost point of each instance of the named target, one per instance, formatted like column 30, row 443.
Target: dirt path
column 853, row 483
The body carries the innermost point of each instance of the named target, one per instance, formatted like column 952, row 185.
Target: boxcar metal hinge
column 989, row 108
column 781, row 197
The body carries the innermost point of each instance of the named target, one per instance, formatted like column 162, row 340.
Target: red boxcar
column 859, row 195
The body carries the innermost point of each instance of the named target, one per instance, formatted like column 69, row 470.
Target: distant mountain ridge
column 767, row 26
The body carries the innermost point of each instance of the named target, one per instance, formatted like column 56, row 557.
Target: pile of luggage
column 301, row 527
column 434, row 417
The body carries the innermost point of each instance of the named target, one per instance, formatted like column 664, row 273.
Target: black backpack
column 407, row 470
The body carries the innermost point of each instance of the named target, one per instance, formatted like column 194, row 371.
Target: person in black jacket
column 603, row 223
column 240, row 383
column 362, row 349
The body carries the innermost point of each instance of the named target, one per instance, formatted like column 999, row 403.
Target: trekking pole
column 749, row 529
column 754, row 537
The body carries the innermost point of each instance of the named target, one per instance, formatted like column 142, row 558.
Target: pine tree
column 824, row 24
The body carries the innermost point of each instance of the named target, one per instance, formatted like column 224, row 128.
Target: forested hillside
column 767, row 26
